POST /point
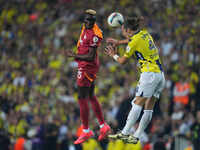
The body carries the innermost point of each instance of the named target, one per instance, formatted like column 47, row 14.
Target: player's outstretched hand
column 110, row 50
column 69, row 53
column 112, row 41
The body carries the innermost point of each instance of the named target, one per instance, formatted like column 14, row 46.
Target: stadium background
column 37, row 83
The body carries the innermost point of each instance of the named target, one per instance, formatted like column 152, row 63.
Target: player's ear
column 81, row 18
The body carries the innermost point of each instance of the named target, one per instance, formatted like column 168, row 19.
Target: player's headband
column 90, row 15
column 91, row 12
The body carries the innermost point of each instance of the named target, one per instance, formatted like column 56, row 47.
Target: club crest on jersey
column 81, row 41
column 128, row 48
column 95, row 39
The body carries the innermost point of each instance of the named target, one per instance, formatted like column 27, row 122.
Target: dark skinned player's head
column 89, row 18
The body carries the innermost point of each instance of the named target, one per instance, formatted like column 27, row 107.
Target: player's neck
column 136, row 31
column 89, row 28
column 133, row 32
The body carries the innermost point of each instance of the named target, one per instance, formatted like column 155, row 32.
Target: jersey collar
column 135, row 33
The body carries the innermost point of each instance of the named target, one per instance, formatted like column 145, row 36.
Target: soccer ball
column 115, row 19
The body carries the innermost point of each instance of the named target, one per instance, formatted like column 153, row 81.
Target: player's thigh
column 139, row 100
column 147, row 85
column 83, row 92
column 160, row 86
column 150, row 103
column 85, row 85
column 92, row 88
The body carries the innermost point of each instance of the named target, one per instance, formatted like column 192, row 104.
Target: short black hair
column 132, row 21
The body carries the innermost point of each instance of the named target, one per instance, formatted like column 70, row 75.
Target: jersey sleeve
column 95, row 41
column 130, row 49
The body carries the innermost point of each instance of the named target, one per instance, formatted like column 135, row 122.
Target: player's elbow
column 122, row 60
column 91, row 55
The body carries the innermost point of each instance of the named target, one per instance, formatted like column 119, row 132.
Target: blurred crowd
column 38, row 94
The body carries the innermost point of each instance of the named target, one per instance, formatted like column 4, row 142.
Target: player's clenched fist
column 110, row 50
column 112, row 41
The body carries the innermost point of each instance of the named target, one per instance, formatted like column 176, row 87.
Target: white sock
column 146, row 118
column 86, row 130
column 132, row 118
column 101, row 126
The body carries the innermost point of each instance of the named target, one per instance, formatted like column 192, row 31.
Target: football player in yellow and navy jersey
column 141, row 46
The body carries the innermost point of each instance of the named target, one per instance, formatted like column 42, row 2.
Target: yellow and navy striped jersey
column 142, row 47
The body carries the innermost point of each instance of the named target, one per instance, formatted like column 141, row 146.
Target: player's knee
column 83, row 95
column 139, row 100
column 133, row 101
column 91, row 95
column 91, row 91
column 149, row 104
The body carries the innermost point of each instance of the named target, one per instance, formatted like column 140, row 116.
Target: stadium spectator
column 4, row 140
column 196, row 131
column 181, row 91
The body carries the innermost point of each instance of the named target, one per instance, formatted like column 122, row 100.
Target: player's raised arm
column 119, row 42
column 110, row 51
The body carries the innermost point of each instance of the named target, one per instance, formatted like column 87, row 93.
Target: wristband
column 115, row 57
